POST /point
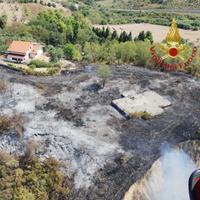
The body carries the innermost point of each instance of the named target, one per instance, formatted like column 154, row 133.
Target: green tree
column 130, row 38
column 3, row 21
column 107, row 33
column 114, row 35
column 55, row 53
column 149, row 36
column 105, row 73
column 86, row 35
column 141, row 36
column 71, row 52
column 123, row 37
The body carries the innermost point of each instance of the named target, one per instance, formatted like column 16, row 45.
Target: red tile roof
column 19, row 46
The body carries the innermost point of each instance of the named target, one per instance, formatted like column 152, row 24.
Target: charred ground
column 73, row 120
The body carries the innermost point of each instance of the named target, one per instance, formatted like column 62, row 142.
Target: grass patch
column 12, row 124
column 47, row 72
column 40, row 64
column 142, row 115
column 3, row 86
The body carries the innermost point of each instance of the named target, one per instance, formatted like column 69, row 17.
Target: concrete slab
column 149, row 102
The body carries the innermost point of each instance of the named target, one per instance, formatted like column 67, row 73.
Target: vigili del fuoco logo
column 173, row 53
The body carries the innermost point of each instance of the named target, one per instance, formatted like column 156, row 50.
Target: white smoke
column 170, row 182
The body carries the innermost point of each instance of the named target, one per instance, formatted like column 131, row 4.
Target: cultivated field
column 159, row 32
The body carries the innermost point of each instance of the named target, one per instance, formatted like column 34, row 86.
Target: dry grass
column 7, row 159
column 143, row 115
column 14, row 123
column 23, row 12
column 3, row 86
column 31, row 148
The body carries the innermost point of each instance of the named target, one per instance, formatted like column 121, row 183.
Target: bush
column 143, row 115
column 55, row 53
column 49, row 72
column 105, row 73
column 40, row 64
column 114, row 52
column 71, row 52
column 143, row 56
column 14, row 123
column 31, row 179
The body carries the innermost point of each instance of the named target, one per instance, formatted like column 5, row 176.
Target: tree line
column 64, row 37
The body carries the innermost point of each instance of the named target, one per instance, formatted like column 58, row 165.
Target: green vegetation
column 101, row 15
column 48, row 72
column 28, row 178
column 40, row 64
column 105, row 73
column 74, row 38
column 134, row 4
column 104, row 34
column 71, row 52
column 143, row 36
column 3, row 20
column 55, row 53
column 113, row 52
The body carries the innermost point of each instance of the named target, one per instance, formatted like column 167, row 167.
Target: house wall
column 39, row 52
column 11, row 58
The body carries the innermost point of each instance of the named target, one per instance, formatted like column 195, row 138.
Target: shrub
column 32, row 179
column 40, row 64
column 143, row 56
column 105, row 73
column 14, row 123
column 71, row 52
column 7, row 159
column 55, row 54
column 23, row 194
column 111, row 52
column 31, row 148
column 143, row 115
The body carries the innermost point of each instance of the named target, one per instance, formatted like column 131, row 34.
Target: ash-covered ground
column 71, row 118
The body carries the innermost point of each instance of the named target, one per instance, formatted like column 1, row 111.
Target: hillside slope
column 23, row 12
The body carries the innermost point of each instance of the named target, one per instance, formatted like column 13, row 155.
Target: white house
column 21, row 51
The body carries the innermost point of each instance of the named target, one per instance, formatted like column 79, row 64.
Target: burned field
column 72, row 119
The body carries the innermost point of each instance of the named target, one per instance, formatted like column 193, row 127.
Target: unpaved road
column 73, row 122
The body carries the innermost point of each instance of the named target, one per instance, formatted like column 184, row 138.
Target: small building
column 22, row 51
